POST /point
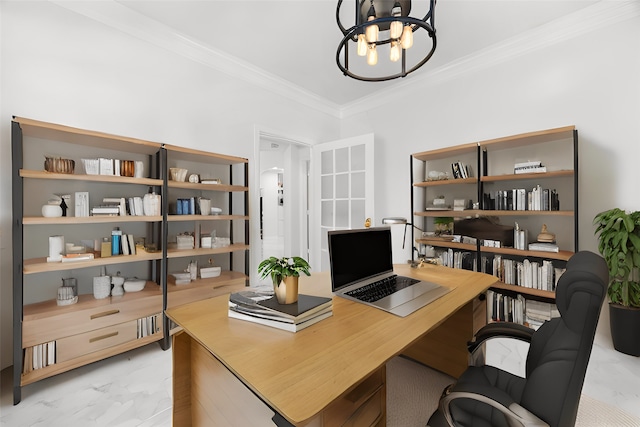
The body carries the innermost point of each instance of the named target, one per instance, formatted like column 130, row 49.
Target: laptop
column 362, row 270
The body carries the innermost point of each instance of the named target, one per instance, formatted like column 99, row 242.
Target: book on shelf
column 535, row 166
column 460, row 170
column 543, row 246
column 78, row 257
column 528, row 164
column 119, row 201
column 539, row 169
column 105, row 210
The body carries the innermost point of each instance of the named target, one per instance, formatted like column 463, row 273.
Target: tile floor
column 134, row 389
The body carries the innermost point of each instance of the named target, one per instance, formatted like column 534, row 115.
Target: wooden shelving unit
column 231, row 196
column 92, row 329
column 492, row 162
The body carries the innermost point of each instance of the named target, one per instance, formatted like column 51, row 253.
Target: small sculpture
column 545, row 235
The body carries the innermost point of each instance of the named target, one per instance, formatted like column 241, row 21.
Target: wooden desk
column 312, row 376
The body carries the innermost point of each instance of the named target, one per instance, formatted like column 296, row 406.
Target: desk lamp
column 399, row 220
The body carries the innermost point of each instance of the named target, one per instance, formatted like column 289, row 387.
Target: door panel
column 342, row 176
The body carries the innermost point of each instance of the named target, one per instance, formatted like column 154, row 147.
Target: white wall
column 60, row 67
column 591, row 82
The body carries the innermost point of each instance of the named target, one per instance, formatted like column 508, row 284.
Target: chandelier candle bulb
column 394, row 55
column 407, row 37
column 362, row 45
column 395, row 30
column 372, row 55
column 385, row 23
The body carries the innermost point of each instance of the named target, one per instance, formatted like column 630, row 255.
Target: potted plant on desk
column 619, row 243
column 284, row 273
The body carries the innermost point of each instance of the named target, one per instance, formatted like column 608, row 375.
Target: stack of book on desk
column 264, row 309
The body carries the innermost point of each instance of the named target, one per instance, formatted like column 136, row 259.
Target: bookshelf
column 50, row 338
column 489, row 191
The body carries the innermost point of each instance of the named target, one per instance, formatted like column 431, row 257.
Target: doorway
column 280, row 207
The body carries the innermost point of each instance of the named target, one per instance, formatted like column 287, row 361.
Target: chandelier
column 380, row 24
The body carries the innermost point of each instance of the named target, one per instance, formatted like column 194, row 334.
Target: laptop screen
column 358, row 254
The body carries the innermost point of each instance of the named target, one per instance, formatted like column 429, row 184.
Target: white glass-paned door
column 343, row 183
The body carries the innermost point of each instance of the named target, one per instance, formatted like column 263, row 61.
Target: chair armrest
column 500, row 330
column 516, row 414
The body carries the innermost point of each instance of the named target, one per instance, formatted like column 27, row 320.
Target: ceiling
column 295, row 42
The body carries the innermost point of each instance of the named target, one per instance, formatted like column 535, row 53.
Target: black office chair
column 559, row 351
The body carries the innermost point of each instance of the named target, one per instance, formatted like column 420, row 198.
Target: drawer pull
column 104, row 313
column 103, row 337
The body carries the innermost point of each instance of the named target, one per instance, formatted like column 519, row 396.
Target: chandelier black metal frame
column 377, row 23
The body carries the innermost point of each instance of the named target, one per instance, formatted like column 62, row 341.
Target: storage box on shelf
column 50, row 337
column 208, row 224
column 528, row 182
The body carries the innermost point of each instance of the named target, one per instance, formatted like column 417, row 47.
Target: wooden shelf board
column 71, row 220
column 41, row 174
column 176, row 218
column 207, row 187
column 175, row 253
column 437, row 183
column 529, row 138
column 442, row 153
column 40, row 265
column 447, row 244
column 561, row 255
column 193, row 155
column 454, row 214
column 213, row 282
column 47, row 308
column 522, row 176
column 61, row 133
column 524, row 291
column 526, row 213
column 58, row 368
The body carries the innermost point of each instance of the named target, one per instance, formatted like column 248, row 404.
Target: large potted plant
column 284, row 273
column 619, row 243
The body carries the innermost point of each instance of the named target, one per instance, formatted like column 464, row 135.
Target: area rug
column 413, row 392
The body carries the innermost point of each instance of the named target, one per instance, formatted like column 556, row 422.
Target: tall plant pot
column 625, row 329
column 287, row 291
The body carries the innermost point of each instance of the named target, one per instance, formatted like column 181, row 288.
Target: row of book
column 506, row 308
column 39, row 356
column 458, row 259
column 127, row 246
column 460, row 170
column 187, row 206
column 148, row 325
column 526, row 273
column 520, row 199
column 260, row 306
column 122, row 206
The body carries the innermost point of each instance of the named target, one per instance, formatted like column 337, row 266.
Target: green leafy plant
column 279, row 268
column 619, row 243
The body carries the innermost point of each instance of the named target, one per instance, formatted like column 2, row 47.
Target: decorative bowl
column 178, row 174
column 134, row 285
column 59, row 165
column 207, row 272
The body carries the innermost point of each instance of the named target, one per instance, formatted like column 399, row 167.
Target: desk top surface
column 299, row 374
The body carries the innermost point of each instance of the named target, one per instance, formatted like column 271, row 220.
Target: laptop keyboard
column 382, row 288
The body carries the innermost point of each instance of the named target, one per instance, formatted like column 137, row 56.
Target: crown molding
column 591, row 18
column 115, row 15
column 111, row 13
